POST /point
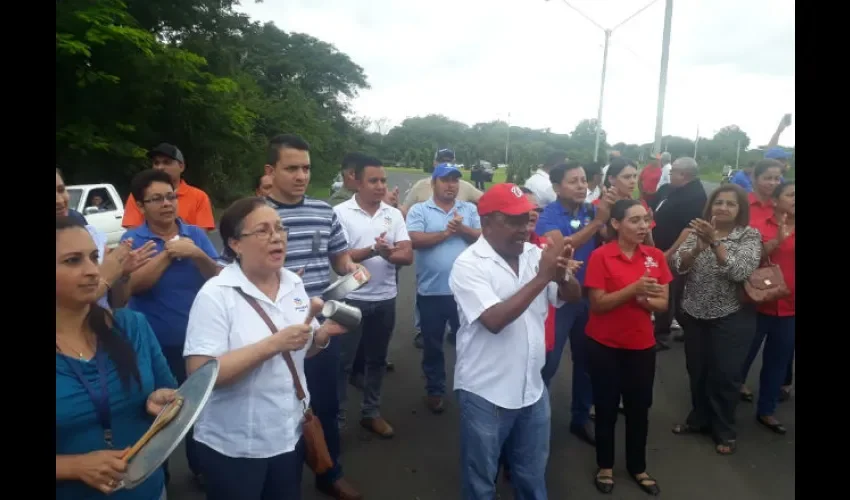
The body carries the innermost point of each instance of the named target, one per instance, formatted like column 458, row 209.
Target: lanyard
column 100, row 401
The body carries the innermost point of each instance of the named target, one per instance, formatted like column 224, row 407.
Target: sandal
column 604, row 482
column 775, row 427
column 648, row 484
column 687, row 429
column 784, row 395
column 726, row 447
column 747, row 397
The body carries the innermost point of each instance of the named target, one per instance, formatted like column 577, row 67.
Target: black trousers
column 715, row 352
column 273, row 478
column 664, row 320
column 630, row 375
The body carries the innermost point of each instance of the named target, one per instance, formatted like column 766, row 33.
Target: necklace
column 74, row 352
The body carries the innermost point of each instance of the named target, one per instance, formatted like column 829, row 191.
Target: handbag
column 765, row 284
column 318, row 457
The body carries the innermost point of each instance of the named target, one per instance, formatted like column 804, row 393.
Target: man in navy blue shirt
column 579, row 221
column 165, row 288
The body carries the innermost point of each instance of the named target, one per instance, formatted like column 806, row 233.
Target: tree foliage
column 196, row 73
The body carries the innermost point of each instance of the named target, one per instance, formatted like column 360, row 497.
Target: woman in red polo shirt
column 627, row 281
column 621, row 181
column 767, row 175
column 776, row 320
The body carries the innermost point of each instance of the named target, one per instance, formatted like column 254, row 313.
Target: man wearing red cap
column 503, row 286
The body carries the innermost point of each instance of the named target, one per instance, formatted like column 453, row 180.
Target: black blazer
column 675, row 210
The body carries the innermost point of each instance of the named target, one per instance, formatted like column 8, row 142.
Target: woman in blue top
column 111, row 378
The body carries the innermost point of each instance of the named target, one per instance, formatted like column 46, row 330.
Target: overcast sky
column 731, row 61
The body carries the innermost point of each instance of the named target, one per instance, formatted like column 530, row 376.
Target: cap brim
column 455, row 173
column 158, row 152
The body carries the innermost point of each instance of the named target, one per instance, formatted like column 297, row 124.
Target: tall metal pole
column 508, row 140
column 737, row 154
column 601, row 96
column 662, row 84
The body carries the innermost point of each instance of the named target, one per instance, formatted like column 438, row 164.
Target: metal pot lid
column 196, row 392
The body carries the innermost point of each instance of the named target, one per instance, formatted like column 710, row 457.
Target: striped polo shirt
column 315, row 235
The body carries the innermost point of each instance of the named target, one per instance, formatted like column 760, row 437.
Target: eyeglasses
column 158, row 199
column 538, row 210
column 265, row 233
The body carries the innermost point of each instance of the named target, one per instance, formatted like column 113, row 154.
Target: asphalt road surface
column 421, row 462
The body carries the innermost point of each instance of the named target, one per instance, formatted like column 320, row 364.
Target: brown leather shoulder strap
column 299, row 390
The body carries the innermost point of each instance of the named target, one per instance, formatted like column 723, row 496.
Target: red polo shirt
column 630, row 325
column 549, row 325
column 759, row 211
column 785, row 257
column 642, row 202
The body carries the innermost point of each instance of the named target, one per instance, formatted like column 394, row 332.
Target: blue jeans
column 524, row 433
column 777, row 333
column 570, row 322
column 437, row 310
column 417, row 321
column 320, row 372
column 374, row 334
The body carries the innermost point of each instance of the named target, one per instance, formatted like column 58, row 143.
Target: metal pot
column 340, row 288
column 344, row 314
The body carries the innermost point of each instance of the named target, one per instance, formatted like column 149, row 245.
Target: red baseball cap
column 505, row 198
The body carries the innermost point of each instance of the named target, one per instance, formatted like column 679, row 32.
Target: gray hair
column 688, row 165
column 666, row 158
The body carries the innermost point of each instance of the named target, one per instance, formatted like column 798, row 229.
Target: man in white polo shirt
column 539, row 182
column 378, row 239
column 503, row 287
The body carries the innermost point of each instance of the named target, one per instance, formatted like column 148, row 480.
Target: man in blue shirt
column 165, row 288
column 440, row 229
column 579, row 221
column 744, row 176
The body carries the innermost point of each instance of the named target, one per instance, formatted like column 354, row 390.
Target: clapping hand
column 383, row 247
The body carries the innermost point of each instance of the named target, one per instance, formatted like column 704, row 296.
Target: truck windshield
column 75, row 195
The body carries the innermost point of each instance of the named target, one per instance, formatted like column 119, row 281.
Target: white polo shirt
column 361, row 229
column 541, row 186
column 502, row 368
column 258, row 416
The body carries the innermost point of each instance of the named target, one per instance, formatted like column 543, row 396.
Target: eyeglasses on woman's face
column 266, row 231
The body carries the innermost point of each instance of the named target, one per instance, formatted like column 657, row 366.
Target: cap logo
column 516, row 191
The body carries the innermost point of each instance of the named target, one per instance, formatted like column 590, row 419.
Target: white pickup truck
column 102, row 207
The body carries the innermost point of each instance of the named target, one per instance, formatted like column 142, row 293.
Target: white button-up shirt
column 361, row 229
column 502, row 368
column 541, row 186
column 258, row 416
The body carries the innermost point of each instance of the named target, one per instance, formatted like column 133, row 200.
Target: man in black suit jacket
column 677, row 204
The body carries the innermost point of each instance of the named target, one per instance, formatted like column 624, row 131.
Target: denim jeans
column 417, row 321
column 437, row 310
column 485, row 428
column 374, row 333
column 570, row 322
column 777, row 333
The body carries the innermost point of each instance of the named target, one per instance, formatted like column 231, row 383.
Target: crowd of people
column 511, row 275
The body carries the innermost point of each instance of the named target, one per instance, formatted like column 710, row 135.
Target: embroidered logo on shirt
column 575, row 223
column 299, row 304
column 650, row 262
column 388, row 221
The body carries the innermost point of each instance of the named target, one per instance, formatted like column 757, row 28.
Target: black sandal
column 648, row 484
column 777, row 427
column 747, row 397
column 604, row 483
column 730, row 444
column 687, row 429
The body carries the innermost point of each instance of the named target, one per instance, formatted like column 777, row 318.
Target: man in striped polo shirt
column 316, row 242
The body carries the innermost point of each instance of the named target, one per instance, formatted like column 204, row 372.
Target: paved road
column 421, row 462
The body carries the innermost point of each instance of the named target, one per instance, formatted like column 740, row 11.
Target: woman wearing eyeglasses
column 248, row 437
column 164, row 288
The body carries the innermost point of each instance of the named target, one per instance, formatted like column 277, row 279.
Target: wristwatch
column 373, row 252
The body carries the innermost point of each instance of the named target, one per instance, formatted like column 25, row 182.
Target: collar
column 581, row 211
column 754, row 200
column 182, row 188
column 145, row 231
column 233, row 277
column 352, row 204
column 483, row 249
column 617, row 252
column 431, row 204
